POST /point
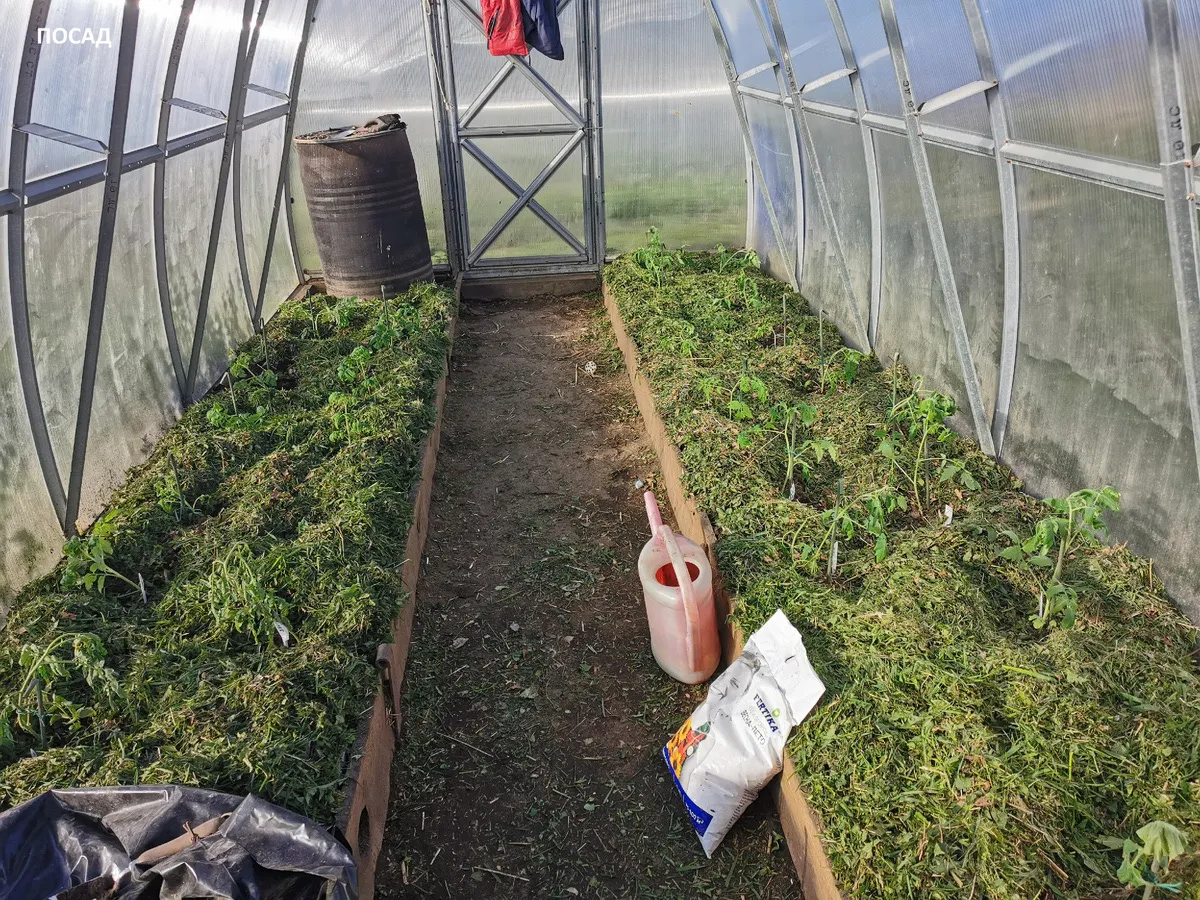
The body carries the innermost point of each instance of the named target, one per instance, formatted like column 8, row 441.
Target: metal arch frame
column 18, row 297
column 284, row 165
column 104, row 246
column 759, row 181
column 937, row 234
column 239, row 232
column 1009, row 223
column 1171, row 118
column 159, row 199
column 786, row 74
column 456, row 135
column 232, row 126
column 874, row 196
column 795, row 142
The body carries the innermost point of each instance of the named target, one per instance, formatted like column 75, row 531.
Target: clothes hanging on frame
column 504, row 23
column 541, row 27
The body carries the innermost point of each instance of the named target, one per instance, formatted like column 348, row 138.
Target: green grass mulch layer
column 268, row 528
column 1008, row 697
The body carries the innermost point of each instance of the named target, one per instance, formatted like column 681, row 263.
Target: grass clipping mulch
column 268, row 528
column 974, row 741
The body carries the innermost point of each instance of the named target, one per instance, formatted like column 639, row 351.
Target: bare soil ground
column 534, row 713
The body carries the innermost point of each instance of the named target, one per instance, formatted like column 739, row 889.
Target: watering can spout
column 653, row 514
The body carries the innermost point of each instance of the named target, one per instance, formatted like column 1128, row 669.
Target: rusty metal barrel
column 361, row 187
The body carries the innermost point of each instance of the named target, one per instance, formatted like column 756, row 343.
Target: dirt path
column 534, row 713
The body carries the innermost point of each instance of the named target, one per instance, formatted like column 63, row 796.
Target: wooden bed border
column 364, row 812
column 801, row 827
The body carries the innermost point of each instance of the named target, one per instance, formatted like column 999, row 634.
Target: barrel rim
column 311, row 138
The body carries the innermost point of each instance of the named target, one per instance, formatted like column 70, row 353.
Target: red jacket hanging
column 505, row 28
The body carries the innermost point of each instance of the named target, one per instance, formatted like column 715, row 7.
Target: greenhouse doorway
column 519, row 146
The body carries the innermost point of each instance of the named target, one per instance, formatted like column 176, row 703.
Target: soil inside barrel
column 534, row 714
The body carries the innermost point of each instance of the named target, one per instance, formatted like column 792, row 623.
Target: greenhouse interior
column 586, row 448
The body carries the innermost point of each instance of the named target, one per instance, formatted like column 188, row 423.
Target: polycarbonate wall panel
column 865, row 26
column 1075, row 74
column 1189, row 51
column 365, row 58
column 278, row 40
column 1100, row 391
column 941, row 57
column 189, row 198
column 136, row 398
column 157, row 20
column 840, row 153
column 770, row 130
column 228, row 321
column 912, row 319
column 814, row 50
column 261, row 156
column 674, row 156
column 207, row 63
column 968, row 197
column 12, row 39
column 30, row 538
column 746, row 44
column 60, row 258
column 73, row 90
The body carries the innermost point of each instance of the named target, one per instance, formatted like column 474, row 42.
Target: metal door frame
column 456, row 134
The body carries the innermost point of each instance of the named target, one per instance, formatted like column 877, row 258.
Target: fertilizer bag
column 733, row 743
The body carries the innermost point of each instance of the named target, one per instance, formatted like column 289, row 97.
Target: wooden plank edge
column 365, row 807
column 801, row 828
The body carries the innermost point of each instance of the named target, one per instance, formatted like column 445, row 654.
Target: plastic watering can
column 677, row 586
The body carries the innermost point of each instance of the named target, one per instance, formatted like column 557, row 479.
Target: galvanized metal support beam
column 239, row 230
column 594, row 163
column 794, row 141
column 1171, row 115
column 787, row 76
column 461, row 222
column 159, row 199
column 281, row 184
column 868, row 141
column 739, row 106
column 104, row 247
column 442, row 113
column 237, row 97
column 937, row 235
column 1009, row 223
column 18, row 298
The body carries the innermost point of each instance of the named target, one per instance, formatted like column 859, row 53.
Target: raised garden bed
column 962, row 749
column 221, row 624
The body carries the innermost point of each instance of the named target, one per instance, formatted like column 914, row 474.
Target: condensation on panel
column 912, row 321
column 157, row 20
column 941, row 57
column 865, row 26
column 228, row 320
column 207, row 62
column 136, row 399
column 12, row 40
column 843, row 167
column 389, row 74
column 1100, row 391
column 60, row 261
column 262, row 154
column 29, row 532
column 814, row 50
column 74, row 85
column 189, row 201
column 1075, row 74
column 278, row 40
column 746, row 43
column 769, row 131
column 674, row 157
column 968, row 192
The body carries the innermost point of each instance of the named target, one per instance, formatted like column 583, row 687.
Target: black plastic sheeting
column 64, row 839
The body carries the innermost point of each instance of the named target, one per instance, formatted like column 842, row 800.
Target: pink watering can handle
column 653, row 514
column 691, row 614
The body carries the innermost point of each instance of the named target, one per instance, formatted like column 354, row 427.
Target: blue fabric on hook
column 541, row 27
